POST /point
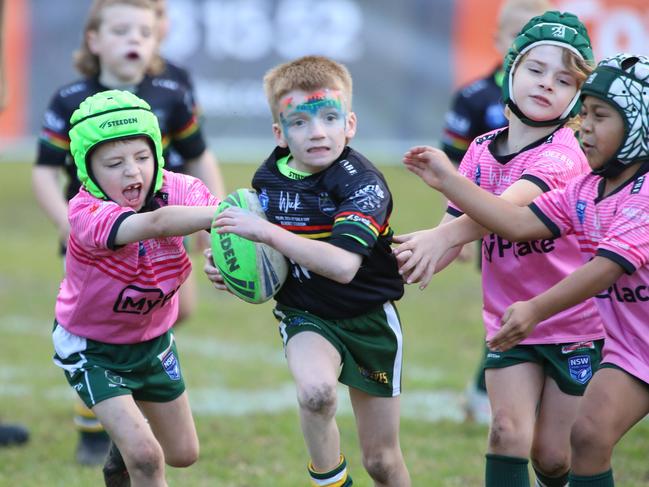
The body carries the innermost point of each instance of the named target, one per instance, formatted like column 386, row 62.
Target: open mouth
column 133, row 56
column 315, row 150
column 132, row 192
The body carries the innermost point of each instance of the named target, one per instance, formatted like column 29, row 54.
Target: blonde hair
column 578, row 67
column 531, row 7
column 307, row 73
column 85, row 61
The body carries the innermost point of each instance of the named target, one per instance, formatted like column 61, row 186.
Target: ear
column 350, row 126
column 92, row 41
column 279, row 136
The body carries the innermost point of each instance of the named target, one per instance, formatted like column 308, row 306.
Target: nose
column 130, row 168
column 317, row 129
column 547, row 81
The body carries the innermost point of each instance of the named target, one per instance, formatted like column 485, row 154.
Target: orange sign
column 613, row 25
column 16, row 58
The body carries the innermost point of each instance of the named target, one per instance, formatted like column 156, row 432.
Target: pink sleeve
column 555, row 166
column 92, row 220
column 628, row 235
column 553, row 209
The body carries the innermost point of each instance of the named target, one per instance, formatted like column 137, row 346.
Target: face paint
column 292, row 108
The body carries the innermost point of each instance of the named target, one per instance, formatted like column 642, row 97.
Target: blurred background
column 406, row 58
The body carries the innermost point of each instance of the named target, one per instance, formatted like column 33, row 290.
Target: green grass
column 232, row 357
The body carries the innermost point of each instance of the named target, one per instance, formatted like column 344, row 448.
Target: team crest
column 580, row 368
column 264, row 199
column 171, row 366
column 368, row 198
column 581, row 210
column 326, row 205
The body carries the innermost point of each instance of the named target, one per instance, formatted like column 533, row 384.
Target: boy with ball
column 328, row 211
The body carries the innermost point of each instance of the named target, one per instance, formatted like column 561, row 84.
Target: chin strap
column 534, row 123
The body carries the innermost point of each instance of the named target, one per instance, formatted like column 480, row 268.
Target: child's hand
column 212, row 272
column 418, row 255
column 518, row 321
column 241, row 222
column 430, row 164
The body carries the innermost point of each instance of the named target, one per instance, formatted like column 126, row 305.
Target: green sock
column 504, row 471
column 604, row 479
column 337, row 477
column 543, row 480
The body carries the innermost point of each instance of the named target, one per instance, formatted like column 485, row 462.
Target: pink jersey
column 518, row 271
column 124, row 294
column 615, row 227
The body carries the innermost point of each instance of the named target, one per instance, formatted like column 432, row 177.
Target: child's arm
column 521, row 317
column 506, row 218
column 320, row 257
column 164, row 222
column 432, row 250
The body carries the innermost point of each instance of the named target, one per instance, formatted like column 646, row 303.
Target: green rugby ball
column 252, row 271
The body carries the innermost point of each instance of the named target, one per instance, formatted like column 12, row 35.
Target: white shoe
column 476, row 407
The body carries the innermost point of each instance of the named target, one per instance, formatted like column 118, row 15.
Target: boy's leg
column 314, row 364
column 613, row 403
column 377, row 420
column 514, row 393
column 551, row 447
column 173, row 426
column 130, row 431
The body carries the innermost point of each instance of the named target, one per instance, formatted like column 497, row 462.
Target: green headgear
column 553, row 28
column 112, row 115
column 622, row 81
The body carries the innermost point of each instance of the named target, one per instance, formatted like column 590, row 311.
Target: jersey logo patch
column 264, row 199
column 326, row 205
column 368, row 198
column 170, row 364
column 581, row 210
column 580, row 368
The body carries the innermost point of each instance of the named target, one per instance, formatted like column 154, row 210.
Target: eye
column 331, row 117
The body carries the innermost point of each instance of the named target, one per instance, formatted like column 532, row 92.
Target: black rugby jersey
column 170, row 100
column 476, row 109
column 347, row 205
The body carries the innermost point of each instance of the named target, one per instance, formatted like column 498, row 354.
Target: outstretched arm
column 497, row 214
column 320, row 257
column 520, row 318
column 164, row 222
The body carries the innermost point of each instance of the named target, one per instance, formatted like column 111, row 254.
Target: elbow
column 346, row 270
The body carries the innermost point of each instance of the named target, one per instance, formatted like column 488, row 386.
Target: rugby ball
column 252, row 271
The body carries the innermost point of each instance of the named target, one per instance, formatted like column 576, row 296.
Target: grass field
column 232, row 359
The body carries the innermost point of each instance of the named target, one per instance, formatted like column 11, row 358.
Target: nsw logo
column 170, row 364
column 580, row 368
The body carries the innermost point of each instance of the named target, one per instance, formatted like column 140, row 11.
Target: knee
column 185, row 456
column 503, row 431
column 318, row 399
column 380, row 466
column 146, row 462
column 550, row 462
column 585, row 435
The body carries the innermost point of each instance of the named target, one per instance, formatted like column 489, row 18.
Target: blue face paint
column 327, row 101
